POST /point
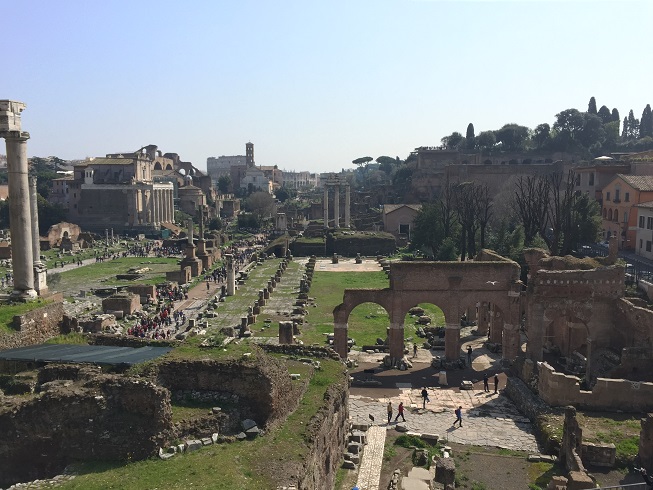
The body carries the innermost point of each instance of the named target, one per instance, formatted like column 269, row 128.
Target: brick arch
column 446, row 284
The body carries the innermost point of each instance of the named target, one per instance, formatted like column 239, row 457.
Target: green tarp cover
column 93, row 354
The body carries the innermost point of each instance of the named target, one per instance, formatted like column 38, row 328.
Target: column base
column 396, row 341
column 452, row 342
column 24, row 295
column 340, row 342
column 40, row 279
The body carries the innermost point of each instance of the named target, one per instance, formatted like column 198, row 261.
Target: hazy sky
column 313, row 84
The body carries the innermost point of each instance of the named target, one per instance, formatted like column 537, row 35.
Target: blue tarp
column 93, row 354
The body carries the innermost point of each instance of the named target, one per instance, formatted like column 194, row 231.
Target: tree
column 605, row 115
column 531, row 199
column 633, row 126
column 215, row 224
column 646, row 123
column 591, row 108
column 282, row 194
column 362, row 161
column 224, row 183
column 512, row 137
column 592, row 131
column 387, row 160
column 486, row 139
column 542, row 136
column 611, row 135
column 615, row 115
column 453, row 141
column 568, row 125
column 427, row 233
column 260, row 204
column 470, row 138
column 625, row 132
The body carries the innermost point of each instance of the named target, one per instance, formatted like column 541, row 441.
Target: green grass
column 224, row 466
column 9, row 311
column 71, row 338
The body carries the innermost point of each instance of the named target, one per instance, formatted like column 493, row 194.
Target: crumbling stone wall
column 646, row 443
column 35, row 326
column 558, row 389
column 99, row 417
column 261, row 382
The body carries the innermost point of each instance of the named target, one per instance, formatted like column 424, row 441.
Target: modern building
column 621, row 198
column 398, row 218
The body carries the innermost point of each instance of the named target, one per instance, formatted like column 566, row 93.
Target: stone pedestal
column 452, row 342
column 191, row 261
column 496, row 327
column 285, row 333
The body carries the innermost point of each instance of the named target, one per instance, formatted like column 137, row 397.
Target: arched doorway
column 368, row 325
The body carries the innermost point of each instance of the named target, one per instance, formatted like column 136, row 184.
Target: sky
column 313, row 84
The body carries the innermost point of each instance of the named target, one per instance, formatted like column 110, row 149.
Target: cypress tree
column 646, row 123
column 624, row 133
column 591, row 108
column 633, row 126
column 470, row 138
column 604, row 114
column 615, row 115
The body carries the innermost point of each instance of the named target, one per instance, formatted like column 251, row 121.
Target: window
column 610, row 214
column 591, row 179
column 648, row 245
column 605, row 213
column 616, row 195
column 616, row 215
column 649, row 223
column 627, row 197
column 641, row 223
column 607, row 196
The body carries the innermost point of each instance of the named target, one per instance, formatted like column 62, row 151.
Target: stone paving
column 369, row 473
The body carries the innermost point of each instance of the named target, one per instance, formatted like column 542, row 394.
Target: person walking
column 469, row 355
column 425, row 397
column 415, row 349
column 400, row 412
column 496, row 383
column 486, row 386
column 459, row 416
column 389, row 412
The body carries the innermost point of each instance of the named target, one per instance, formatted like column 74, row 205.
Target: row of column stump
column 289, row 329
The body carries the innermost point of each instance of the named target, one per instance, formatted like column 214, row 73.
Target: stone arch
column 448, row 285
column 566, row 330
column 616, row 215
column 365, row 319
column 169, row 167
column 157, row 166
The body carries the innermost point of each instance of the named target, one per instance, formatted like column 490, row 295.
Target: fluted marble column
column 40, row 272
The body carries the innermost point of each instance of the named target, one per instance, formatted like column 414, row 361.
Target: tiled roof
column 389, row 208
column 110, row 161
column 639, row 182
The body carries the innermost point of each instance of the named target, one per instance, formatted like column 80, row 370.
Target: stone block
column 579, row 480
column 402, row 427
column 445, row 471
column 354, row 458
column 358, row 436
column 354, row 447
column 241, row 436
column 430, row 438
column 215, row 437
column 360, row 426
column 193, row 445
column 206, row 441
column 466, row 385
column 248, row 424
column 253, row 432
column 349, row 465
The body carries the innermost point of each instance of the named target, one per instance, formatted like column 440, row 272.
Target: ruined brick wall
column 640, row 325
column 558, row 389
column 326, row 436
column 261, row 382
column 646, row 443
column 34, row 327
column 98, row 417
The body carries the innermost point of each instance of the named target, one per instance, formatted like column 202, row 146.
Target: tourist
column 469, row 355
column 389, row 412
column 425, row 397
column 496, row 383
column 486, row 386
column 459, row 416
column 415, row 349
column 400, row 412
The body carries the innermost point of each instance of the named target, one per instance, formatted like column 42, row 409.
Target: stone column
column 326, row 206
column 231, row 275
column 347, row 207
column 496, row 327
column 588, row 364
column 483, row 318
column 171, row 211
column 20, row 222
column 40, row 272
column 340, row 339
column 157, row 207
column 452, row 342
column 396, row 340
column 336, row 206
column 189, row 224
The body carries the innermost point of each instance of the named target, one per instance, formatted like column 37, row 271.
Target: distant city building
column 231, row 165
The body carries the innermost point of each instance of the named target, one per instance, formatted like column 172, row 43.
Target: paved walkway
column 369, row 473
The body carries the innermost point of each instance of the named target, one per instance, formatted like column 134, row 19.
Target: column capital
column 15, row 135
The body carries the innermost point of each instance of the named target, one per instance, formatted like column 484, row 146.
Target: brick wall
column 35, row 326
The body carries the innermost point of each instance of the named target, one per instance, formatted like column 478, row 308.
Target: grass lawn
column 103, row 274
column 241, row 465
